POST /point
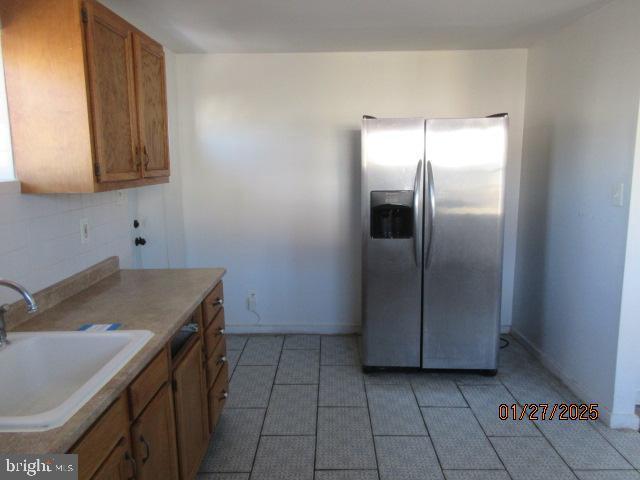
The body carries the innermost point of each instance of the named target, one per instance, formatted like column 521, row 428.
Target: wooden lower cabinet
column 189, row 390
column 108, row 435
column 160, row 427
column 153, row 436
column 218, row 396
column 118, row 465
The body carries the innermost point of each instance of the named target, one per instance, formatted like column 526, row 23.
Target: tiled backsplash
column 40, row 240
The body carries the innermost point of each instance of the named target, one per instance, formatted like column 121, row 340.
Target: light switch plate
column 617, row 196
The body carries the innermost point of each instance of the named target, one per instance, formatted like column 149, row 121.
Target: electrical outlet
column 251, row 301
column 84, row 230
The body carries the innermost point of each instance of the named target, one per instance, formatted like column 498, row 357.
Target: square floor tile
column 342, row 386
column 292, row 410
column 344, row 439
column 234, row 442
column 459, row 440
column 434, row 391
column 346, row 475
column 532, row 387
column 250, row 387
column 302, row 342
column 236, row 342
column 627, row 442
column 298, row 367
column 262, row 350
column 407, row 458
column 581, row 446
column 284, row 458
column 388, row 378
column 485, row 401
column 607, row 475
column 531, row 458
column 476, row 475
column 222, row 476
column 394, row 410
column 340, row 350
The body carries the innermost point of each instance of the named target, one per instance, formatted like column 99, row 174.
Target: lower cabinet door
column 153, row 436
column 218, row 396
column 119, row 464
column 192, row 422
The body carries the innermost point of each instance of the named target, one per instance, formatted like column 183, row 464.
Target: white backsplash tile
column 40, row 236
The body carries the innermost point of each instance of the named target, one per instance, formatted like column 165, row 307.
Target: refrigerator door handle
column 417, row 227
column 432, row 214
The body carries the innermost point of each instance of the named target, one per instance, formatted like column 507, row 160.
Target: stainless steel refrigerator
column 432, row 216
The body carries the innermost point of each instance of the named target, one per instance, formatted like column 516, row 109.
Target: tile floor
column 300, row 408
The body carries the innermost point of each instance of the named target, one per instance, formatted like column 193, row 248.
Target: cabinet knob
column 219, row 301
column 221, row 331
column 222, row 359
column 224, row 396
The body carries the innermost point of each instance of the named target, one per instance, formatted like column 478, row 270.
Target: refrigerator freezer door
column 392, row 212
column 463, row 238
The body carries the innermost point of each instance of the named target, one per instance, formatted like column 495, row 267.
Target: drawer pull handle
column 219, row 301
column 221, row 331
column 147, row 451
column 222, row 359
column 224, row 396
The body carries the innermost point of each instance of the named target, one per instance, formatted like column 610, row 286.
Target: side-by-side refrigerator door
column 464, row 191
column 392, row 215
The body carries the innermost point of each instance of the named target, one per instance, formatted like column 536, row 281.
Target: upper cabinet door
column 152, row 106
column 109, row 44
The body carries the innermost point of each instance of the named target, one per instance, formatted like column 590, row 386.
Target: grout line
column 483, row 430
column 373, row 437
column 540, row 430
column 424, row 422
column 266, row 410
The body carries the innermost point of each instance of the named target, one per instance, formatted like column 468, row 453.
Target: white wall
column 159, row 207
column 627, row 383
column 583, row 85
column 271, row 166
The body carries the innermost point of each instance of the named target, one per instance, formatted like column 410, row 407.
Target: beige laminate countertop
column 155, row 300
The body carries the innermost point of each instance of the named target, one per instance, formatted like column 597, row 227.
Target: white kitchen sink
column 46, row 377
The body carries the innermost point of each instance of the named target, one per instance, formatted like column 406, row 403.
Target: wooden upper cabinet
column 87, row 98
column 152, row 106
column 112, row 90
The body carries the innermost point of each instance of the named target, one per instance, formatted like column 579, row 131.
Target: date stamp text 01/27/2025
column 547, row 411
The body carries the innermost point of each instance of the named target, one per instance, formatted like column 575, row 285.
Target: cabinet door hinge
column 84, row 14
column 96, row 169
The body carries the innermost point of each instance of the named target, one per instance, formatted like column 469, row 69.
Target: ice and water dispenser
column 392, row 214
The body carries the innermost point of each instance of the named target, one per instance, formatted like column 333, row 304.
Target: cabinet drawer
column 145, row 386
column 216, row 361
column 214, row 332
column 212, row 304
column 218, row 396
column 97, row 444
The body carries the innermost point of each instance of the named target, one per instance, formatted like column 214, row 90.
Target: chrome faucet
column 32, row 307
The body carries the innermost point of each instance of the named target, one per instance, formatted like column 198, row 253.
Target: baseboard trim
column 294, row 328
column 612, row 419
